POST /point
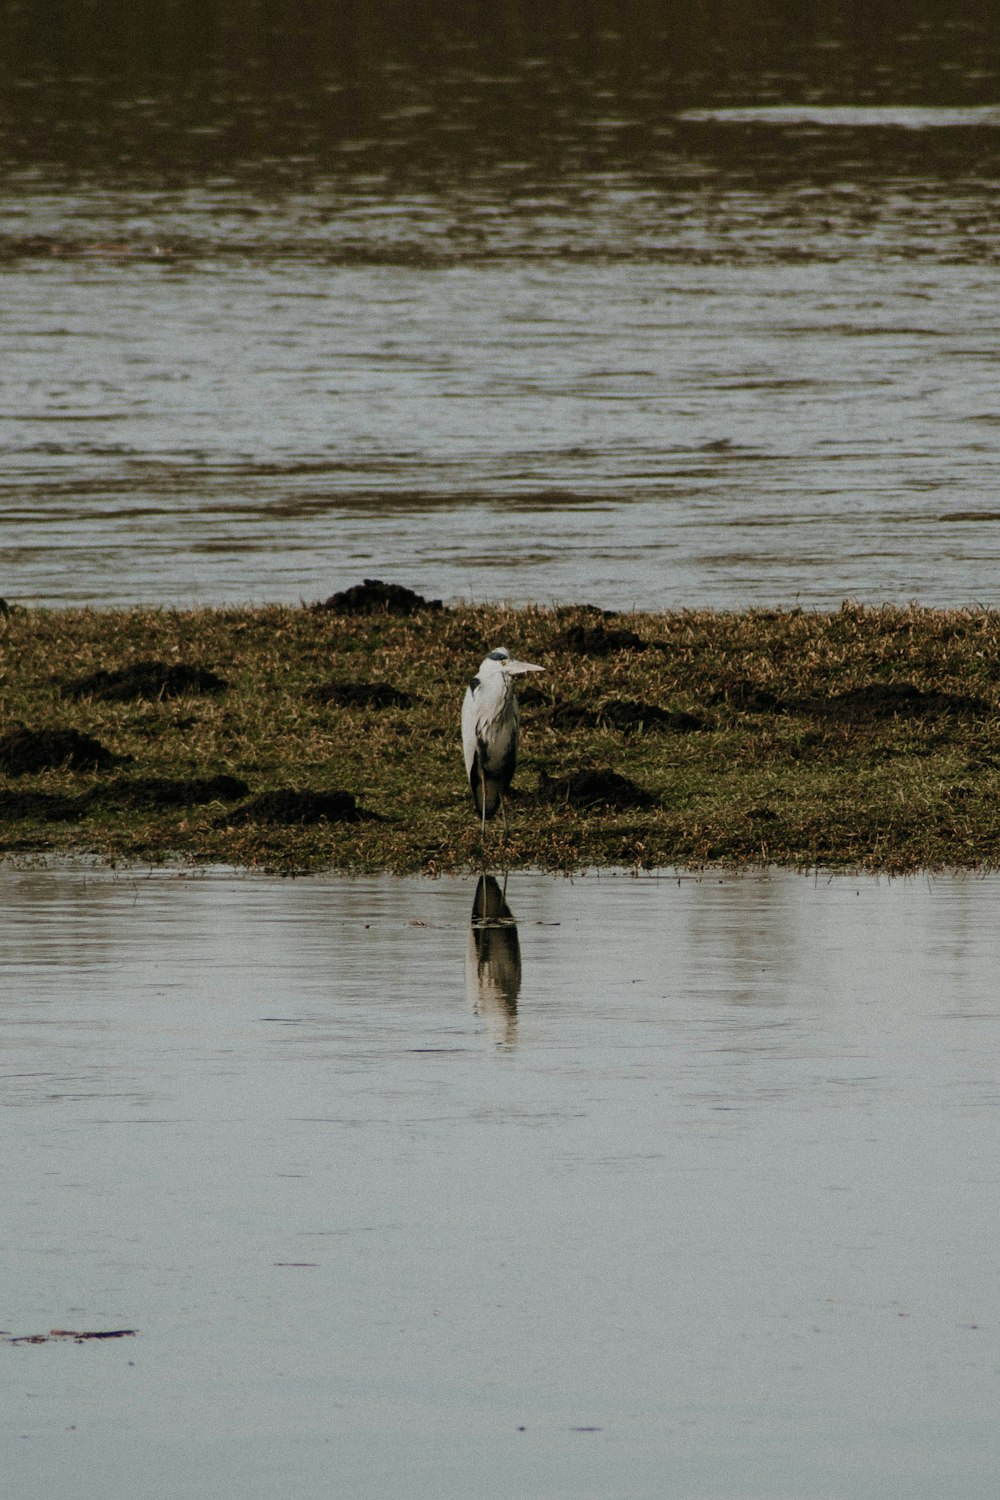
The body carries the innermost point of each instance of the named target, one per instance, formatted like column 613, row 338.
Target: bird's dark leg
column 503, row 809
column 482, row 789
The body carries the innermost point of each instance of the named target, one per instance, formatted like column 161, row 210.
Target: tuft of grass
column 862, row 738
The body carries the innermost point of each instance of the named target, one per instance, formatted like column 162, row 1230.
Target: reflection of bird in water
column 493, row 961
column 489, row 731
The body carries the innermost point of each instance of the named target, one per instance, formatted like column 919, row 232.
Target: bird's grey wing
column 503, row 749
column 469, row 730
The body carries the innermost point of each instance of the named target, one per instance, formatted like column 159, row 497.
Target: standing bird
column 489, row 731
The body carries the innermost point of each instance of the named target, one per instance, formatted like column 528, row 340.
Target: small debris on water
column 76, row 1335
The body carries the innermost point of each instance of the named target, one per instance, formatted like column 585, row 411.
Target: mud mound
column 598, row 640
column 749, row 698
column 870, row 703
column 25, row 750
column 145, row 679
column 359, row 695
column 166, row 791
column 562, row 610
column 286, row 806
column 890, row 700
column 598, row 788
column 373, row 597
column 40, row 807
column 628, row 715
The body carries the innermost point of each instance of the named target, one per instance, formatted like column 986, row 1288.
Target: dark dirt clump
column 749, row 698
column 373, row 597
column 627, row 715
column 145, row 679
column 562, row 610
column 532, row 697
column 359, row 695
column 598, row 640
column 41, row 807
column 286, row 806
column 870, row 703
column 23, row 751
column 168, row 791
column 889, row 700
column 599, row 788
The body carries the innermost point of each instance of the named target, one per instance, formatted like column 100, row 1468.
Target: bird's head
column 501, row 660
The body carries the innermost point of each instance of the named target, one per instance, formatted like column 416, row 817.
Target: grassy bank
column 865, row 739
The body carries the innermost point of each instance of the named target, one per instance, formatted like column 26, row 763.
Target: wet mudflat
column 642, row 1186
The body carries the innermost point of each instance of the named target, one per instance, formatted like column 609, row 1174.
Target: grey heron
column 489, row 730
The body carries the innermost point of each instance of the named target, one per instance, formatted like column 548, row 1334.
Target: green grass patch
column 866, row 739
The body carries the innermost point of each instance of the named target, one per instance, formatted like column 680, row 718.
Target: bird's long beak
column 517, row 668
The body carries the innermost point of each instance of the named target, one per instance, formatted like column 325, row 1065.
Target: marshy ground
column 327, row 737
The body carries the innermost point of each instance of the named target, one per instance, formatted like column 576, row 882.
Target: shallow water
column 683, row 311
column 677, row 1185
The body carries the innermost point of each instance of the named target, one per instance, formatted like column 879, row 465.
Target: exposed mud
column 286, row 806
column 139, row 792
column 598, row 640
column 627, row 715
column 888, row 700
column 748, row 698
column 145, row 679
column 41, row 807
column 23, row 751
column 167, row 791
column 359, row 695
column 594, row 789
column 562, row 610
column 373, row 597
column 870, row 703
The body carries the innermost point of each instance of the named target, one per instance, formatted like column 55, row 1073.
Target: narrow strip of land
column 308, row 739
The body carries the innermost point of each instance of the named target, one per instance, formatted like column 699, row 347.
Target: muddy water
column 668, row 1186
column 653, row 312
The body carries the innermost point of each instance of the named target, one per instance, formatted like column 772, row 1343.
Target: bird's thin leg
column 503, row 809
column 482, row 788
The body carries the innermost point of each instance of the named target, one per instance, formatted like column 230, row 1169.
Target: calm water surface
column 693, row 310
column 673, row 1187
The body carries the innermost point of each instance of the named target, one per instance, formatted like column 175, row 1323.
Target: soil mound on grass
column 890, row 700
column 868, row 704
column 359, row 695
column 167, row 791
column 562, row 610
column 593, row 789
column 40, row 807
column 628, row 715
column 23, row 751
column 598, row 640
column 145, row 679
column 749, row 698
column 373, row 597
column 287, row 807
column 128, row 792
